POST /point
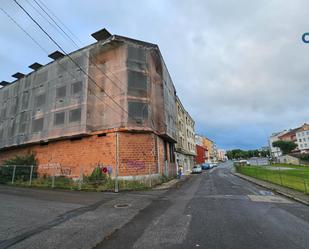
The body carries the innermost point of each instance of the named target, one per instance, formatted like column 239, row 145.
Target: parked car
column 197, row 169
column 205, row 166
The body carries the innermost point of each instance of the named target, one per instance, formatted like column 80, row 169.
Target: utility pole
column 117, row 164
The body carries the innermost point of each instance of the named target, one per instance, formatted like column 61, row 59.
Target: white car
column 197, row 169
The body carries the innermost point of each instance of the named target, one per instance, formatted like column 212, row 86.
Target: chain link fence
column 294, row 177
column 56, row 176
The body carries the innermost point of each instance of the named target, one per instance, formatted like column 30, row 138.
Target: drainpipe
column 117, row 163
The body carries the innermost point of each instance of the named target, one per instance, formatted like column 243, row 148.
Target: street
column 212, row 210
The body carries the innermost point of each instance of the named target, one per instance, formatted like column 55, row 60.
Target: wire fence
column 55, row 176
column 294, row 177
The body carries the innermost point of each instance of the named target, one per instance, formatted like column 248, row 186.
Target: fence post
column 13, row 176
column 305, row 185
column 53, row 178
column 31, row 172
column 280, row 176
column 81, row 178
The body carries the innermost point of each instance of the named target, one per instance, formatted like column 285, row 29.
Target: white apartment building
column 275, row 152
column 302, row 136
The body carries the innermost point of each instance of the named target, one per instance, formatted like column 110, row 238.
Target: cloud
column 239, row 67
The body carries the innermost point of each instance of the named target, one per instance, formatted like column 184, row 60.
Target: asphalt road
column 213, row 210
column 216, row 210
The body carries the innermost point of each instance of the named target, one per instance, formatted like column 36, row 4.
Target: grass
column 295, row 178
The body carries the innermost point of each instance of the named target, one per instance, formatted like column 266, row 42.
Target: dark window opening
column 102, row 135
column 40, row 100
column 138, row 111
column 76, row 88
column 37, row 125
column 137, row 84
column 61, row 92
column 59, row 118
column 75, row 115
column 172, row 152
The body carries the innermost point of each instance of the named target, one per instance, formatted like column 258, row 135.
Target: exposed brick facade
column 139, row 154
column 200, row 154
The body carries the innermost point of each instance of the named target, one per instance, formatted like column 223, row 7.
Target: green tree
column 285, row 146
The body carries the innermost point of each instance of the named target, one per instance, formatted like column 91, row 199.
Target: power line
column 81, row 69
column 76, row 45
column 42, row 48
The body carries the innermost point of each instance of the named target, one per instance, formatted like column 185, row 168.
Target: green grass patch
column 296, row 178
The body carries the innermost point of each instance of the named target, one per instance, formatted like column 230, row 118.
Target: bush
column 22, row 172
column 98, row 176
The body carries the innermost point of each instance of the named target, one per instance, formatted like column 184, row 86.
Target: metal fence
column 292, row 177
column 55, row 176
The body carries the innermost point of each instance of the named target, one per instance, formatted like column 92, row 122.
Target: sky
column 239, row 67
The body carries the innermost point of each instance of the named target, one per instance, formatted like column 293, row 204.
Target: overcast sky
column 239, row 67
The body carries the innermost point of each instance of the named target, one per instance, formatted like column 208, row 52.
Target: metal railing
column 292, row 177
column 56, row 176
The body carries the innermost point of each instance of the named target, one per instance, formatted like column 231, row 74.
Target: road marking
column 268, row 198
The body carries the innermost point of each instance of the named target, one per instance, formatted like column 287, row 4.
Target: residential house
column 302, row 138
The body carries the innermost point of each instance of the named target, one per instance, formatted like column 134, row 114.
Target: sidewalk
column 290, row 193
column 175, row 182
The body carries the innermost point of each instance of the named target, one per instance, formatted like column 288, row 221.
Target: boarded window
column 75, row 115
column 25, row 101
column 61, row 92
column 41, row 77
column 59, row 118
column 37, row 125
column 12, row 129
column 138, row 111
column 76, row 88
column 3, row 114
column 40, row 100
column 137, row 84
column 136, row 54
column 23, row 123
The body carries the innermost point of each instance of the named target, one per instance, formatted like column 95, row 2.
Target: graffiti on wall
column 135, row 164
column 55, row 169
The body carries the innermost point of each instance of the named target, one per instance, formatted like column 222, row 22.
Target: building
column 221, row 155
column 289, row 136
column 201, row 154
column 111, row 103
column 302, row 138
column 209, row 146
column 185, row 147
column 275, row 152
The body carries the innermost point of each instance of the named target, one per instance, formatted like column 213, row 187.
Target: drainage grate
column 124, row 205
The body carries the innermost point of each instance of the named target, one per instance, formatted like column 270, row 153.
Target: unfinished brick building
column 113, row 105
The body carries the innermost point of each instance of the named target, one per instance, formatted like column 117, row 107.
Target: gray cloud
column 239, row 67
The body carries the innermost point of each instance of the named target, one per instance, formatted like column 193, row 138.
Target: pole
column 280, row 176
column 31, row 171
column 53, row 178
column 13, row 176
column 81, row 178
column 117, row 163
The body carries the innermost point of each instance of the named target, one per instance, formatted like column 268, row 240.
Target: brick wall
column 138, row 154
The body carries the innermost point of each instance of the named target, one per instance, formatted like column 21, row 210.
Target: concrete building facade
column 112, row 101
column 302, row 138
column 185, row 147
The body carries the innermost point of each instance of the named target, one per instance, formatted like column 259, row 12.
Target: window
column 40, row 100
column 76, row 88
column 61, row 92
column 137, row 84
column 37, row 125
column 59, row 118
column 138, row 111
column 75, row 115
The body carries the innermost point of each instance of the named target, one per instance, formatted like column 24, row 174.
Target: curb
column 176, row 184
column 270, row 188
